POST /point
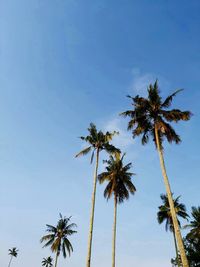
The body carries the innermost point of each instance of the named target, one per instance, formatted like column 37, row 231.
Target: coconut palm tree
column 164, row 215
column 194, row 225
column 13, row 252
column 150, row 117
column 119, row 185
column 57, row 237
column 98, row 141
column 47, row 262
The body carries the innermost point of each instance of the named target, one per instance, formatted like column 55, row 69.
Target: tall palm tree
column 47, row 262
column 58, row 237
column 194, row 225
column 13, row 252
column 98, row 141
column 150, row 117
column 164, row 215
column 119, row 185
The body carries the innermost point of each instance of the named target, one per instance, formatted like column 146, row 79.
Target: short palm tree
column 164, row 215
column 150, row 117
column 98, row 141
column 194, row 225
column 119, row 184
column 47, row 262
column 58, row 237
column 13, row 252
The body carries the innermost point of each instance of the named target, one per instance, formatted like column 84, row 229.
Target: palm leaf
column 84, row 152
column 168, row 100
column 176, row 115
column 47, row 237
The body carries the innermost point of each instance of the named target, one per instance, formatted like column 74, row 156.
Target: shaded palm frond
column 167, row 102
column 84, row 152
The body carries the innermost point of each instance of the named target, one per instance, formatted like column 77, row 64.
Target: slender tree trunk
column 92, row 211
column 10, row 261
column 114, row 231
column 56, row 260
column 176, row 248
column 171, row 204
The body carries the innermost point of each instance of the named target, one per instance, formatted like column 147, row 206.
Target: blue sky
column 63, row 64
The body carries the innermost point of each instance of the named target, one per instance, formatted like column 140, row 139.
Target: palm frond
column 103, row 176
column 92, row 156
column 111, row 149
column 47, row 237
column 63, row 250
column 50, row 242
column 176, row 115
column 68, row 245
column 84, row 152
column 168, row 100
column 56, row 245
column 128, row 113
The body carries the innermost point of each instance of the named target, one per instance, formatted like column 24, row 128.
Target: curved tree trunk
column 114, row 231
column 176, row 248
column 92, row 211
column 171, row 204
column 56, row 260
column 10, row 261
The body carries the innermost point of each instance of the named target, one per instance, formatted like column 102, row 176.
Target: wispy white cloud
column 140, row 81
column 123, row 140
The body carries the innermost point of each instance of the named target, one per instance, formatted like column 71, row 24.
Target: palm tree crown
column 195, row 224
column 98, row 140
column 164, row 213
column 58, row 236
column 151, row 112
column 118, row 177
column 47, row 262
column 13, row 252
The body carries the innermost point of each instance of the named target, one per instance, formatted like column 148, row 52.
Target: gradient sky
column 64, row 64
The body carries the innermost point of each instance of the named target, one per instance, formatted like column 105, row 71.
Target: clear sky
column 64, row 64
